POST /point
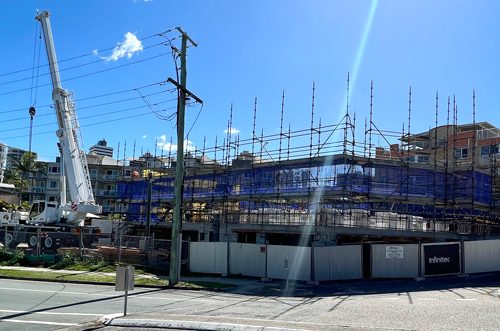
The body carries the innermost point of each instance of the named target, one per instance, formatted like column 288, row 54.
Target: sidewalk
column 238, row 283
column 162, row 320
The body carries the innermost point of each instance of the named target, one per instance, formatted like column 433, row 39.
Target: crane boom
column 74, row 159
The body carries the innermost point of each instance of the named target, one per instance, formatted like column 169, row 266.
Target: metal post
column 81, row 242
column 148, row 206
column 38, row 241
column 120, row 247
column 126, row 292
column 5, row 239
column 286, row 269
column 151, row 248
column 32, row 112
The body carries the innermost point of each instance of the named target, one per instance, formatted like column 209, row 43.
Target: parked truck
column 58, row 224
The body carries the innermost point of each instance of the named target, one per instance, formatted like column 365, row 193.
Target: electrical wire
column 86, row 125
column 92, row 116
column 161, row 83
column 77, row 66
column 195, row 120
column 89, row 74
column 92, row 106
column 157, row 114
column 160, row 34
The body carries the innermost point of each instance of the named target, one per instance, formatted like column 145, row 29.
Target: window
column 489, row 150
column 423, row 159
column 53, row 185
column 417, row 158
column 461, row 153
column 54, row 169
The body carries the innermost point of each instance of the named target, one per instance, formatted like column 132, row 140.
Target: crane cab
column 43, row 212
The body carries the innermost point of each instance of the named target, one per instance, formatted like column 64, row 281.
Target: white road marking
column 136, row 295
column 55, row 291
column 46, row 313
column 37, row 322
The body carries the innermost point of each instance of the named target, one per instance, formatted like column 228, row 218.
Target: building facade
column 102, row 148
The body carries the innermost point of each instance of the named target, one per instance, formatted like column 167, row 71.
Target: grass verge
column 76, row 277
column 99, row 278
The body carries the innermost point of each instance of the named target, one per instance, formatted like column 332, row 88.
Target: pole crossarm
column 185, row 35
column 185, row 90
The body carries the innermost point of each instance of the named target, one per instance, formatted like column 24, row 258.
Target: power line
column 195, row 120
column 75, row 67
column 97, row 115
column 160, row 34
column 89, row 74
column 87, row 125
column 95, row 96
column 92, row 106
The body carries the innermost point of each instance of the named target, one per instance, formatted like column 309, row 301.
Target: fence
column 269, row 261
column 344, row 262
column 275, row 261
column 135, row 250
column 395, row 261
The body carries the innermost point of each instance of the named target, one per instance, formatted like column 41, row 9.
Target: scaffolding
column 446, row 179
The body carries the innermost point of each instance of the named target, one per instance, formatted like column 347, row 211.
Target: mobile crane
column 62, row 220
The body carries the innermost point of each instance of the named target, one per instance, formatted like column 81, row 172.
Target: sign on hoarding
column 441, row 259
column 394, row 252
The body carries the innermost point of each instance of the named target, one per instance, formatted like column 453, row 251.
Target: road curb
column 114, row 320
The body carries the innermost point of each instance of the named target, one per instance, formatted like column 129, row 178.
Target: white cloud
column 128, row 48
column 95, row 52
column 231, row 131
column 168, row 147
column 145, row 136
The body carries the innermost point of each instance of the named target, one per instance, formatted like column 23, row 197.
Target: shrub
column 74, row 261
column 12, row 258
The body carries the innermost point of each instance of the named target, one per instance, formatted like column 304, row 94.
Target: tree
column 24, row 168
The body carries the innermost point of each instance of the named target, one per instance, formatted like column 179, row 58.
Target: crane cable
column 34, row 85
column 34, row 78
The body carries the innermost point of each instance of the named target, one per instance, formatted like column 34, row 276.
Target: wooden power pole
column 176, row 244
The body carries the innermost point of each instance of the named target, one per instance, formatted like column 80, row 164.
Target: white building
column 101, row 148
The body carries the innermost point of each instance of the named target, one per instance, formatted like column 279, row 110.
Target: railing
column 356, row 218
column 36, row 189
column 106, row 193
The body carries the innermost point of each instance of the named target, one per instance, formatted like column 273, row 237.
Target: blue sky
column 247, row 49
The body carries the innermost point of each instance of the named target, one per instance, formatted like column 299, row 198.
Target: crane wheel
column 48, row 242
column 32, row 241
column 8, row 239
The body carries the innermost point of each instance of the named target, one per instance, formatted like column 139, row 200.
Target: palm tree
column 23, row 169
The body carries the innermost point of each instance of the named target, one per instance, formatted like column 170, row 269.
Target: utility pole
column 176, row 243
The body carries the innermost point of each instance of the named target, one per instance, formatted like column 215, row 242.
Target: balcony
column 106, row 193
column 36, row 189
column 114, row 209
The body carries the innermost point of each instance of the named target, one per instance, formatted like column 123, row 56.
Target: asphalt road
column 437, row 304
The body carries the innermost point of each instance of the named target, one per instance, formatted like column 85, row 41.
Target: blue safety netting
column 397, row 188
